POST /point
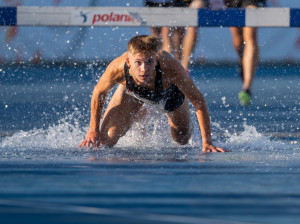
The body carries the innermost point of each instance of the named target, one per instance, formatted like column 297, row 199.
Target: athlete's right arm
column 104, row 85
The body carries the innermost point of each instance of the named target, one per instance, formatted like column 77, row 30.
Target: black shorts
column 174, row 3
column 244, row 3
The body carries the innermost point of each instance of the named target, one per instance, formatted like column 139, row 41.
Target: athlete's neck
column 149, row 84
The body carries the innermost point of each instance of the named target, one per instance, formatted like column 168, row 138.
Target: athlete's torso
column 168, row 100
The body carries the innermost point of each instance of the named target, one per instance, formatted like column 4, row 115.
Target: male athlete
column 146, row 74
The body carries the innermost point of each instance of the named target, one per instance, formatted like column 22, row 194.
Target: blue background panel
column 8, row 16
column 295, row 17
column 228, row 17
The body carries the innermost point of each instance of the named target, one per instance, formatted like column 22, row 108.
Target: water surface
column 147, row 177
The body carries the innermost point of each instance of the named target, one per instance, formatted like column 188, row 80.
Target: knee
column 182, row 137
column 237, row 43
column 251, row 45
column 183, row 140
column 108, row 143
column 108, row 140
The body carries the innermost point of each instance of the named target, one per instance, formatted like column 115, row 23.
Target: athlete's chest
column 151, row 85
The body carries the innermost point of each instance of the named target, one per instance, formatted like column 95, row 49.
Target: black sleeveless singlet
column 168, row 100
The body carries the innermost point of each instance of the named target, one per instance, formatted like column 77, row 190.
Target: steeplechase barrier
column 147, row 17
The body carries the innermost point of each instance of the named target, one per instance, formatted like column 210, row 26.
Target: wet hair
column 144, row 43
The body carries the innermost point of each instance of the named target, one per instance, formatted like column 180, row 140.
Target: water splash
column 59, row 136
column 251, row 139
column 148, row 140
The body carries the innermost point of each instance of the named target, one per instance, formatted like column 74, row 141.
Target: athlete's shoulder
column 171, row 67
column 115, row 70
column 119, row 61
column 117, row 65
column 166, row 59
column 165, row 54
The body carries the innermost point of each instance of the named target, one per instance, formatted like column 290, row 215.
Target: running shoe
column 245, row 97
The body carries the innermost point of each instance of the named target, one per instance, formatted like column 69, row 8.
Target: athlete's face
column 142, row 66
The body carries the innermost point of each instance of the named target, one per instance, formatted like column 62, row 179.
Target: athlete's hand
column 92, row 137
column 211, row 148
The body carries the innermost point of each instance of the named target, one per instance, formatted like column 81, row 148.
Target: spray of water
column 147, row 140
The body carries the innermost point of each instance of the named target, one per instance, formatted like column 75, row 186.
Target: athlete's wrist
column 206, row 141
column 92, row 130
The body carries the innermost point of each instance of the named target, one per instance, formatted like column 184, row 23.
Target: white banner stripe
column 105, row 16
column 268, row 17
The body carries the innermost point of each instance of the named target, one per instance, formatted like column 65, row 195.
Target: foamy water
column 145, row 141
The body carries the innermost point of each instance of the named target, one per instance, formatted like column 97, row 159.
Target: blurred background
column 92, row 44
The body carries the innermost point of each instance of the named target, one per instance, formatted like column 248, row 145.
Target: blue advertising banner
column 295, row 17
column 8, row 16
column 228, row 17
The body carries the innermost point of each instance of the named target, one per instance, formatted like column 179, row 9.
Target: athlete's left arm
column 190, row 90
